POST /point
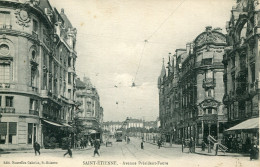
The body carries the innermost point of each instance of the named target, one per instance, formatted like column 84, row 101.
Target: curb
column 42, row 151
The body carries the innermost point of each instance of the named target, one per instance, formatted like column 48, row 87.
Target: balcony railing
column 209, row 82
column 4, row 85
column 7, row 110
column 34, row 112
column 34, row 89
column 4, row 26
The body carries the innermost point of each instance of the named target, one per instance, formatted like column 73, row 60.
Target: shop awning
column 252, row 123
column 65, row 124
column 92, row 131
column 52, row 123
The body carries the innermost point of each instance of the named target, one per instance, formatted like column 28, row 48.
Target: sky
column 112, row 51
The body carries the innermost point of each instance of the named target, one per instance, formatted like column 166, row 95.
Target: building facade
column 112, row 126
column 90, row 109
column 242, row 63
column 191, row 89
column 37, row 71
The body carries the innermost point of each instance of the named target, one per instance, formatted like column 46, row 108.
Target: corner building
column 90, row 111
column 242, row 66
column 191, row 90
column 37, row 71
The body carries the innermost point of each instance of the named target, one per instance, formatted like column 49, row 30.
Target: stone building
column 90, row 110
column 242, row 63
column 191, row 89
column 112, row 126
column 134, row 123
column 37, row 71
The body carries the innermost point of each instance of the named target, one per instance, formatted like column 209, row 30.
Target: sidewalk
column 198, row 150
column 165, row 145
column 43, row 150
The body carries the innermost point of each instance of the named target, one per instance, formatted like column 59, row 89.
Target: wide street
column 122, row 154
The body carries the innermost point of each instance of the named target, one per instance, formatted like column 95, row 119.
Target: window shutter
column 3, row 128
column 12, row 128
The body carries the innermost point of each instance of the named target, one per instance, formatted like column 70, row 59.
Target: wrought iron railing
column 7, row 110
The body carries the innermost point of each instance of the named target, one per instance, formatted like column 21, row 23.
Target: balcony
column 7, row 110
column 209, row 82
column 34, row 112
column 4, row 26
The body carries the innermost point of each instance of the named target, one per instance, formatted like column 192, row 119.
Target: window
column 233, row 60
column 35, row 26
column 3, row 132
column 12, row 132
column 33, row 55
column 33, row 77
column 5, row 19
column 69, row 78
column 9, row 101
column 207, row 61
column 31, row 104
column 253, row 72
column 69, row 93
column 209, row 74
column 69, row 61
column 209, row 110
column 4, row 73
column 30, row 132
column 210, row 93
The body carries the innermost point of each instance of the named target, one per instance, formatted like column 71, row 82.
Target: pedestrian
column 254, row 152
column 216, row 148
column 159, row 144
column 182, row 144
column 68, row 152
column 96, row 146
column 142, row 145
column 128, row 140
column 203, row 145
column 36, row 147
column 191, row 145
column 247, row 144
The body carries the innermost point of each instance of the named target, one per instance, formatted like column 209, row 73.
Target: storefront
column 240, row 137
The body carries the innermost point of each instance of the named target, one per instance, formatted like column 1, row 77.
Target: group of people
column 188, row 143
column 96, row 143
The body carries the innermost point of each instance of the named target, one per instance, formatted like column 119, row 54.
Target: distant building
column 135, row 123
column 37, row 72
column 112, row 126
column 150, row 125
column 89, row 110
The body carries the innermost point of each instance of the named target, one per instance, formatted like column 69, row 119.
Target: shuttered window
column 3, row 128
column 12, row 128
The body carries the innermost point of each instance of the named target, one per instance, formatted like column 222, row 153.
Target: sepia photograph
column 129, row 83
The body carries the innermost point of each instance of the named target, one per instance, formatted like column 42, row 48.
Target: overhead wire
column 156, row 30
